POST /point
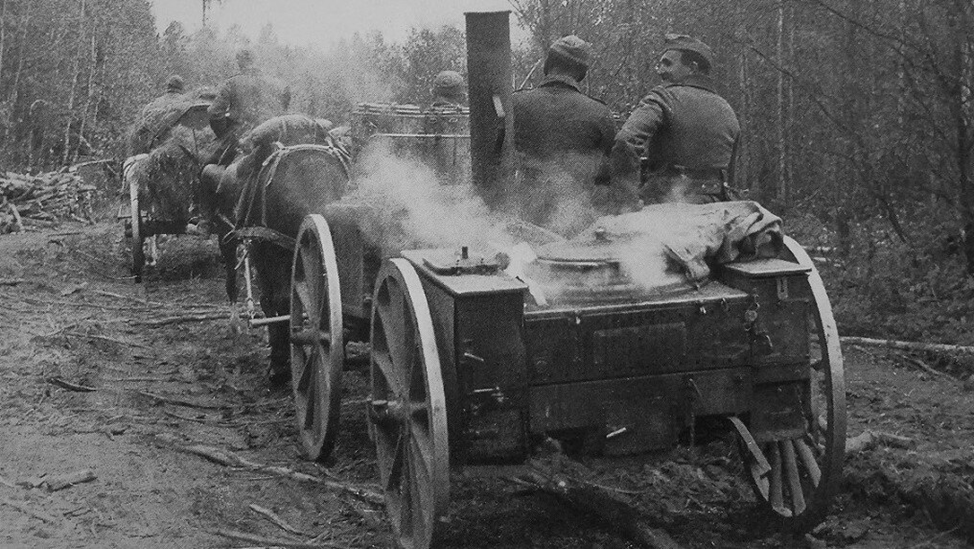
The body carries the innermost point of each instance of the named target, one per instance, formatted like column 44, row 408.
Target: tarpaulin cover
column 694, row 236
column 172, row 117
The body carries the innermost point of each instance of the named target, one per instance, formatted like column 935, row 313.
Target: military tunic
column 562, row 139
column 685, row 130
column 247, row 99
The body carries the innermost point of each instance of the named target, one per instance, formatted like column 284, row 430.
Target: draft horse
column 266, row 209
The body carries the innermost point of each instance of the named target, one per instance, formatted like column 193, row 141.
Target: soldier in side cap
column 157, row 118
column 562, row 140
column 448, row 90
column 684, row 132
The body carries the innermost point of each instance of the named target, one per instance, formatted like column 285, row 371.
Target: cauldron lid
column 604, row 251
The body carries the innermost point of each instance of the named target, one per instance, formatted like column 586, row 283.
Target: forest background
column 856, row 115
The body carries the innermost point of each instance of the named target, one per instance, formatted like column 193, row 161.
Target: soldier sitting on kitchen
column 562, row 141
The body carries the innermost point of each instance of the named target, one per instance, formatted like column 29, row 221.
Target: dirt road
column 145, row 388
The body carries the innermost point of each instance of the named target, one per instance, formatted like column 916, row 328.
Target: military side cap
column 685, row 42
column 572, row 48
column 448, row 80
column 175, row 84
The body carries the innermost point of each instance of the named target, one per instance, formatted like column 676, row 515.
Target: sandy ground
column 167, row 373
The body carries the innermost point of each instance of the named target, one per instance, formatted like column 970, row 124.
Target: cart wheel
column 407, row 406
column 317, row 350
column 138, row 231
column 805, row 472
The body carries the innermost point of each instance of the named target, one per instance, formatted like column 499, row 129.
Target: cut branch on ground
column 230, row 459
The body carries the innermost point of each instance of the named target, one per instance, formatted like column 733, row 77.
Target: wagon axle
column 392, row 413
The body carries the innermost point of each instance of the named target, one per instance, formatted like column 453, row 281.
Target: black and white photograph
column 486, row 274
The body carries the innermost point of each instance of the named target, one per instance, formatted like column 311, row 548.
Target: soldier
column 448, row 90
column 684, row 130
column 247, row 99
column 562, row 140
column 157, row 117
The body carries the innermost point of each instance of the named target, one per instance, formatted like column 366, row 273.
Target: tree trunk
column 3, row 36
column 14, row 96
column 742, row 163
column 782, row 191
column 74, row 86
column 92, row 71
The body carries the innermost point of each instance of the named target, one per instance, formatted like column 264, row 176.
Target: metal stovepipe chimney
column 489, row 88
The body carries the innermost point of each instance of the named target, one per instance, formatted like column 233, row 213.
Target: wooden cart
column 467, row 368
column 141, row 215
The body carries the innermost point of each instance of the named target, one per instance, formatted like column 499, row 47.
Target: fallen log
column 549, row 477
column 907, row 345
column 60, row 482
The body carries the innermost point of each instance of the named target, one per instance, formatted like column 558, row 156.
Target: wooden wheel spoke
column 419, row 484
column 387, row 341
column 790, row 465
column 385, row 368
column 421, row 447
column 307, row 303
column 401, row 343
column 406, row 489
column 307, row 372
column 419, row 416
column 398, row 462
column 808, row 460
column 776, row 491
column 310, row 410
column 310, row 262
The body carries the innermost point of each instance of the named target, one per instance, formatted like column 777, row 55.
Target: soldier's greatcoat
column 249, row 98
column 562, row 140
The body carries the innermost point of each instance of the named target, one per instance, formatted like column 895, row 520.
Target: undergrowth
column 886, row 287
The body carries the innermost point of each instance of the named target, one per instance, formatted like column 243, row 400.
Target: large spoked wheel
column 138, row 230
column 805, row 472
column 317, row 343
column 407, row 406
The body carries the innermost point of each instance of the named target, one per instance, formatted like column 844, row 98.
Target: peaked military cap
column 448, row 80
column 175, row 84
column 685, row 42
column 572, row 48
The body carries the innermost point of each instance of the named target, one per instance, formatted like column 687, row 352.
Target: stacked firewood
column 43, row 199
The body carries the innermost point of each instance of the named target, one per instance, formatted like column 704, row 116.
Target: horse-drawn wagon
column 477, row 357
column 162, row 175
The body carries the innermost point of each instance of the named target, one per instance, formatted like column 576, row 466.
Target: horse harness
column 247, row 234
column 249, row 199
